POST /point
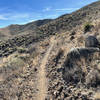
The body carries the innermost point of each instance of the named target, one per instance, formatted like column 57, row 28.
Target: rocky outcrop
column 73, row 66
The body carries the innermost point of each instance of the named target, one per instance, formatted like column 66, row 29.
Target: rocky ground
column 37, row 72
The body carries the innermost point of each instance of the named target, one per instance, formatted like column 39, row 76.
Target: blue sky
column 24, row 11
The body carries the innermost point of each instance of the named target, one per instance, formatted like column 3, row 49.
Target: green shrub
column 87, row 27
column 22, row 50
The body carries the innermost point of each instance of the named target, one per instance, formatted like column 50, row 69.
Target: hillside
column 68, row 21
column 58, row 60
column 63, row 23
column 13, row 30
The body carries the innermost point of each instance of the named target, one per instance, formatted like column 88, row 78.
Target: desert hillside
column 12, row 30
column 55, row 59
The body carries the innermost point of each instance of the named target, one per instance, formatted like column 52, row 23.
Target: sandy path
column 42, row 81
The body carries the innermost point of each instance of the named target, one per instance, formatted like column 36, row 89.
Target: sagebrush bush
column 22, row 50
column 87, row 27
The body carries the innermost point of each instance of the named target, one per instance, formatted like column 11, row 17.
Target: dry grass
column 97, row 96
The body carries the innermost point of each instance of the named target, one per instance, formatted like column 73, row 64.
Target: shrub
column 87, row 27
column 34, row 54
column 73, row 70
column 93, row 78
column 22, row 50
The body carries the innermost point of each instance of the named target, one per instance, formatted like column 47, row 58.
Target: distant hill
column 19, row 29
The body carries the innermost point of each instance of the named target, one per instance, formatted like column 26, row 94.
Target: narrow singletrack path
column 42, row 81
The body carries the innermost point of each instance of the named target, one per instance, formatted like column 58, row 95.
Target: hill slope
column 53, row 61
column 62, row 24
column 68, row 21
column 12, row 30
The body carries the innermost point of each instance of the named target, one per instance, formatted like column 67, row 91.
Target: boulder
column 73, row 70
column 91, row 41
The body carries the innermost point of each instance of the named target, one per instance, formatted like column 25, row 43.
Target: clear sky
column 23, row 11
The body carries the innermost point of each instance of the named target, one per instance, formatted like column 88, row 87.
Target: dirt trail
column 42, row 81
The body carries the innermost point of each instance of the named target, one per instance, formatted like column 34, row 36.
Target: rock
column 91, row 41
column 73, row 69
column 60, row 89
column 35, row 69
column 72, row 37
column 77, row 53
column 66, row 95
column 84, row 97
column 56, row 94
column 73, row 33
